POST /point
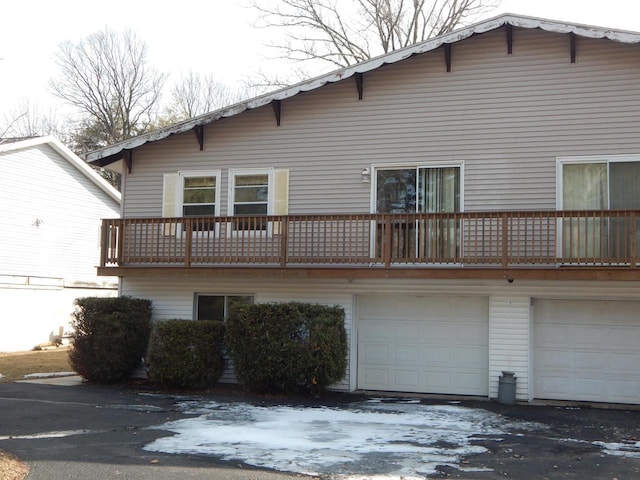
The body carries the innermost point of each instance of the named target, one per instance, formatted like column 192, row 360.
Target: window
column 421, row 189
column 418, row 189
column 597, row 183
column 200, row 197
column 217, row 307
column 250, row 195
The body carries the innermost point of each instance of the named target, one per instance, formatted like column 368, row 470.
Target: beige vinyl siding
column 50, row 217
column 507, row 117
column 509, row 331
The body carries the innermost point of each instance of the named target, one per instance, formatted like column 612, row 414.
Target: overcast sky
column 208, row 36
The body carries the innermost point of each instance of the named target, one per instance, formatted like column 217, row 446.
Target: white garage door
column 423, row 344
column 587, row 350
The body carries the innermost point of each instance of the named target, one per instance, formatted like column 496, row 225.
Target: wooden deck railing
column 488, row 239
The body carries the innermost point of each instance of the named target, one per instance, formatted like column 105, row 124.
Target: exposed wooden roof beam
column 199, row 131
column 277, row 110
column 360, row 84
column 447, row 56
column 128, row 159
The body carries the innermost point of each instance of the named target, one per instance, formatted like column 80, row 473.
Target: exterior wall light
column 366, row 175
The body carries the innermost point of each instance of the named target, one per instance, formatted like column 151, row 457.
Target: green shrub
column 110, row 338
column 186, row 353
column 287, row 347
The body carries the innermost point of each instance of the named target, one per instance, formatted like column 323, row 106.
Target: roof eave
column 115, row 152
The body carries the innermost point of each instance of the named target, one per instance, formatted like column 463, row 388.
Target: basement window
column 217, row 307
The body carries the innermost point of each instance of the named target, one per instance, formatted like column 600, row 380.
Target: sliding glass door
column 598, row 186
column 421, row 190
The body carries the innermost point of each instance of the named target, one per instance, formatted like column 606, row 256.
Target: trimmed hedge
column 110, row 338
column 186, row 353
column 287, row 347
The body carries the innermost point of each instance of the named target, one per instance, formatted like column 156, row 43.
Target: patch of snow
column 1, row 375
column 36, row 436
column 629, row 449
column 376, row 439
column 49, row 375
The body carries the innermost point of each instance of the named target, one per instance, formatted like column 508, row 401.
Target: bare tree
column 25, row 119
column 357, row 30
column 107, row 78
column 195, row 94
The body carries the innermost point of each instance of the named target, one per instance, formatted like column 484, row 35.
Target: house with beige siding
column 471, row 202
column 52, row 203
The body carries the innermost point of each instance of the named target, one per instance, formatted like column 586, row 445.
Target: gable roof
column 66, row 154
column 115, row 152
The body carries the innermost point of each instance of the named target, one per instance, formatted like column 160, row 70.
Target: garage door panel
column 589, row 337
column 373, row 353
column 470, row 357
column 406, row 355
column 624, row 362
column 434, row 344
column 625, row 337
column 552, row 335
column 376, row 376
column 555, row 360
column 587, row 350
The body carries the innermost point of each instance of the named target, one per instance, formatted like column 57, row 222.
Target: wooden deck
column 514, row 244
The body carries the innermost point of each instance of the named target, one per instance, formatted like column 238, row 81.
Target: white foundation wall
column 35, row 315
column 509, row 343
column 510, row 324
column 174, row 298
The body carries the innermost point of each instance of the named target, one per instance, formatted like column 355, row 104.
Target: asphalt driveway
column 87, row 431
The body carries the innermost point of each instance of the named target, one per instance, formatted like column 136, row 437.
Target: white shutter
column 170, row 200
column 281, row 192
column 280, row 195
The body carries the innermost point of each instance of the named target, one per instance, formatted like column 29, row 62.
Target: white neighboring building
column 51, row 206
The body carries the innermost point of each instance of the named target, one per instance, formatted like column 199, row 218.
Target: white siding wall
column 50, row 217
column 509, row 344
column 507, row 117
column 34, row 315
column 509, row 306
column 173, row 298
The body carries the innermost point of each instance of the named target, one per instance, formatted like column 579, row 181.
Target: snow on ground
column 48, row 375
column 380, row 438
column 630, row 449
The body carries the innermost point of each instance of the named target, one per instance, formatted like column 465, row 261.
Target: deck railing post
column 505, row 240
column 387, row 241
column 633, row 258
column 187, row 242
column 284, row 241
column 104, row 242
column 120, row 241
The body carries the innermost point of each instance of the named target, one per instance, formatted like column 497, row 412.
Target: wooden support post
column 633, row 243
column 360, row 85
column 120, row 242
column 277, row 110
column 199, row 132
column 284, row 241
column 572, row 46
column 447, row 56
column 505, row 240
column 509, row 29
column 187, row 242
column 387, row 242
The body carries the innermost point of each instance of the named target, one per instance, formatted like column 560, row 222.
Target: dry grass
column 11, row 468
column 14, row 366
